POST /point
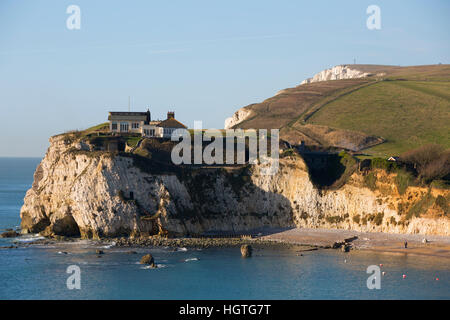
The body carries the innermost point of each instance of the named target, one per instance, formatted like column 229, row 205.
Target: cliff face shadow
column 66, row 226
column 329, row 170
column 324, row 169
column 252, row 210
column 210, row 208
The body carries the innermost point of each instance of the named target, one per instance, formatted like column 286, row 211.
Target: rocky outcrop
column 98, row 194
column 337, row 73
column 148, row 259
column 246, row 250
column 239, row 116
column 9, row 234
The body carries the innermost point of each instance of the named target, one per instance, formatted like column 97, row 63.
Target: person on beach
column 406, row 244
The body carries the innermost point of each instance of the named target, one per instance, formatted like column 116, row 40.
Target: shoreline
column 205, row 243
column 437, row 246
column 301, row 239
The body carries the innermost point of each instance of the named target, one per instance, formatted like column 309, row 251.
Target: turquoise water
column 39, row 272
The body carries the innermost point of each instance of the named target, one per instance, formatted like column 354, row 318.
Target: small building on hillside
column 393, row 158
column 141, row 122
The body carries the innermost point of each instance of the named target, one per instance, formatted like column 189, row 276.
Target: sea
column 73, row 270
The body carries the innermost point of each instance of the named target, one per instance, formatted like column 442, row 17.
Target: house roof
column 171, row 123
column 130, row 116
column 140, row 116
column 153, row 123
column 119, row 113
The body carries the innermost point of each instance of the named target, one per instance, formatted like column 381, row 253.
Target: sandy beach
column 438, row 246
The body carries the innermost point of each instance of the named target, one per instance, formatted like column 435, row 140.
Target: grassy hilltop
column 393, row 110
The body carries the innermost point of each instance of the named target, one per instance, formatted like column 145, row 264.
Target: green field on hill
column 393, row 110
column 407, row 114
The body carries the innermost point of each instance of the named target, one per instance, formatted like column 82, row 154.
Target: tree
column 431, row 161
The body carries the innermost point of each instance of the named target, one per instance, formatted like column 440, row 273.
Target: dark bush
column 378, row 219
column 380, row 163
column 430, row 161
column 420, row 206
column 403, row 180
column 443, row 203
column 371, row 181
column 437, row 169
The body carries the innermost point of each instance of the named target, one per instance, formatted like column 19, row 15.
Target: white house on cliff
column 140, row 122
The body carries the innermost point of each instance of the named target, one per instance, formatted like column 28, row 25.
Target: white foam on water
column 113, row 244
column 182, row 249
column 145, row 268
column 30, row 238
column 158, row 266
column 191, row 259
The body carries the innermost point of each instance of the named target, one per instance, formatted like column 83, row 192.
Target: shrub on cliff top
column 380, row 163
column 288, row 153
column 370, row 181
column 440, row 184
column 403, row 180
column 431, row 162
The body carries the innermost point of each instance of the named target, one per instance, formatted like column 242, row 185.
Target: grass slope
column 406, row 113
column 406, row 106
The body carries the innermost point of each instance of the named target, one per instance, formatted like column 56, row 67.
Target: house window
column 135, row 125
column 149, row 132
column 124, row 127
column 114, row 126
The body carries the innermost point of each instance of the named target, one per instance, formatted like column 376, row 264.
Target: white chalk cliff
column 97, row 194
column 337, row 73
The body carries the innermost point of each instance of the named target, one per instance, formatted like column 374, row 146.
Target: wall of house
column 157, row 131
column 167, row 132
column 130, row 125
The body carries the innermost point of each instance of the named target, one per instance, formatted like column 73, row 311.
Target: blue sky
column 203, row 59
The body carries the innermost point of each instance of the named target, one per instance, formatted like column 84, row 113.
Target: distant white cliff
column 337, row 73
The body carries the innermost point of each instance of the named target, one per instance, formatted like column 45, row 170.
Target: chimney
column 170, row 115
column 148, row 118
